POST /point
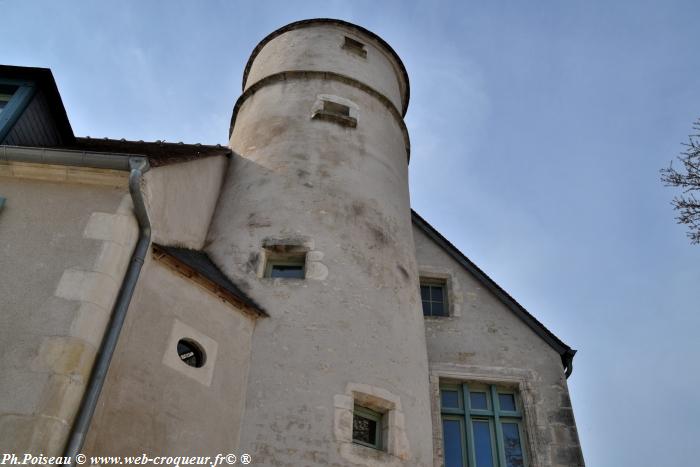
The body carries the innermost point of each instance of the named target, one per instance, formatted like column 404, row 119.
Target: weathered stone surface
column 488, row 343
column 334, row 192
column 55, row 272
column 357, row 316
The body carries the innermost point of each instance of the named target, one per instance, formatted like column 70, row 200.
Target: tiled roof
column 199, row 262
column 159, row 153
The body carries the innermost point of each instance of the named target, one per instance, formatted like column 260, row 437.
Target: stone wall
column 152, row 402
column 483, row 341
column 334, row 187
column 64, row 248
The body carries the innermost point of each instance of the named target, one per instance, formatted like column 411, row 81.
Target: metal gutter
column 96, row 160
column 137, row 166
column 568, row 360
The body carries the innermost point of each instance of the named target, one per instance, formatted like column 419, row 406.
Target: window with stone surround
column 367, row 427
column 285, row 261
column 355, row 47
column 482, row 426
column 433, row 294
column 335, row 109
column 14, row 98
column 286, row 268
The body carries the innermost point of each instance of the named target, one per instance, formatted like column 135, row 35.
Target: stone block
column 87, row 286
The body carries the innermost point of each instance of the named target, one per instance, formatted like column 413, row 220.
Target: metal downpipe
column 82, row 420
column 568, row 359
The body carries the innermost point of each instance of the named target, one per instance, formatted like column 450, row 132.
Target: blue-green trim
column 2, row 202
column 464, row 432
column 494, row 415
column 471, row 453
column 16, row 105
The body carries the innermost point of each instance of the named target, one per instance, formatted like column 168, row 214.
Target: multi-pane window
column 434, row 298
column 367, row 427
column 481, row 426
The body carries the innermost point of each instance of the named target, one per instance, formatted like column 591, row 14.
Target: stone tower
column 318, row 188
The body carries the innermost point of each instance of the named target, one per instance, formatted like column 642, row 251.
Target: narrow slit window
column 487, row 430
column 335, row 108
column 355, row 46
column 287, row 271
column 286, row 266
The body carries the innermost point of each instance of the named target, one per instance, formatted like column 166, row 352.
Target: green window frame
column 2, row 202
column 433, row 294
column 16, row 95
column 359, row 413
column 489, row 417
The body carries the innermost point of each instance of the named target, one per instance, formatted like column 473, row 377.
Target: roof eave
column 211, row 277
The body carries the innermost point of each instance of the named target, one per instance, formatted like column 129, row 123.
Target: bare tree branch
column 688, row 179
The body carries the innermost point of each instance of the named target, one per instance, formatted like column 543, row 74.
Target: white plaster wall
column 155, row 404
column 488, row 342
column 319, row 48
column 64, row 248
column 181, row 199
column 344, row 194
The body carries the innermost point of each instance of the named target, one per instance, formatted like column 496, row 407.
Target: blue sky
column 538, row 129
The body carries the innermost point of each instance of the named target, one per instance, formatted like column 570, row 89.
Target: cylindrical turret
column 314, row 221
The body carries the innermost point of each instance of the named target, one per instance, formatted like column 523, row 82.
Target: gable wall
column 485, row 341
column 152, row 402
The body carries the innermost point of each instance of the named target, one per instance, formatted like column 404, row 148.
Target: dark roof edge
column 566, row 352
column 159, row 153
column 45, row 79
column 199, row 262
column 306, row 22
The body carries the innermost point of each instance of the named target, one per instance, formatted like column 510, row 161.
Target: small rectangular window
column 334, row 107
column 336, row 112
column 367, row 427
column 290, row 267
column 287, row 271
column 433, row 298
column 355, row 46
